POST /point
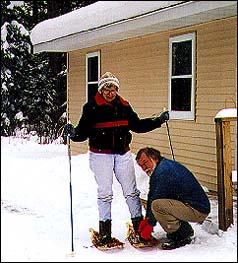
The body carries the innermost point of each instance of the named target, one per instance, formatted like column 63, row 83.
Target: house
column 180, row 55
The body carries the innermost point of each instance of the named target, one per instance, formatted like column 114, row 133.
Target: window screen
column 181, row 77
column 93, row 73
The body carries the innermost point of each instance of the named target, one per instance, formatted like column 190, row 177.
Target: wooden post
column 224, row 172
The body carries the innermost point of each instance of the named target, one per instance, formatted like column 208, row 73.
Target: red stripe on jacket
column 110, row 124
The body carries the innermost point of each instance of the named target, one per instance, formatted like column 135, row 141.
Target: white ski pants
column 104, row 166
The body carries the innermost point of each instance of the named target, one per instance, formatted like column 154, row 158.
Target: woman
column 106, row 121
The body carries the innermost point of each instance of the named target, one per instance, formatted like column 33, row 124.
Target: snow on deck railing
column 227, row 113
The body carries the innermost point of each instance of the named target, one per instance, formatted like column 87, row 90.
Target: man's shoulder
column 164, row 161
column 164, row 166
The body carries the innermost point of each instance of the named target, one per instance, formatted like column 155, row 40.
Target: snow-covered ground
column 35, row 213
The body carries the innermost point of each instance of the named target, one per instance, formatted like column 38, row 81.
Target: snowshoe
column 137, row 242
column 104, row 244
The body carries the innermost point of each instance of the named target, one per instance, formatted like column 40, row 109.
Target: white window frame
column 89, row 55
column 182, row 115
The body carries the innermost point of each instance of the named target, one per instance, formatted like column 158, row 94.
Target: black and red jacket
column 107, row 125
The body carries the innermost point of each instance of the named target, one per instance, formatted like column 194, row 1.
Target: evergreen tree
column 28, row 94
column 14, row 50
column 27, row 83
column 33, row 85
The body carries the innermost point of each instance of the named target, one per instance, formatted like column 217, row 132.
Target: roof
column 109, row 21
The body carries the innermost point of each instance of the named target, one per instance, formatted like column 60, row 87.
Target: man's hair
column 150, row 152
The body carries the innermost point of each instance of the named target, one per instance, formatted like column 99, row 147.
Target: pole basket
column 71, row 254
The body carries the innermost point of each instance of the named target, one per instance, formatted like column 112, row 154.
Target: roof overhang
column 179, row 14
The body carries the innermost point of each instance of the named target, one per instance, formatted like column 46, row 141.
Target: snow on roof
column 93, row 16
column 108, row 21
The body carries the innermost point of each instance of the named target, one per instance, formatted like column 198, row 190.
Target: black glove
column 69, row 130
column 163, row 117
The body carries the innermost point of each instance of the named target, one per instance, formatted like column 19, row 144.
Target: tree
column 14, row 48
column 33, row 85
column 22, row 91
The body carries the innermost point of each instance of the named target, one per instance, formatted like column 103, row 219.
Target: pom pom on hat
column 107, row 78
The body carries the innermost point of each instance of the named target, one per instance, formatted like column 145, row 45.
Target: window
column 181, row 77
column 92, row 73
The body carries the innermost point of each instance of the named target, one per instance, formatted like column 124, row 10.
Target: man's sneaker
column 179, row 238
column 169, row 235
column 185, row 230
column 171, row 244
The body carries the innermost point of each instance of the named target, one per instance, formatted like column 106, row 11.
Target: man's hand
column 145, row 229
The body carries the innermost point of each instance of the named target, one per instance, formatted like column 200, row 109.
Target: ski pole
column 171, row 147
column 70, row 179
column 71, row 199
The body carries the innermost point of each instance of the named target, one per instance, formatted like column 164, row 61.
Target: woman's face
column 109, row 92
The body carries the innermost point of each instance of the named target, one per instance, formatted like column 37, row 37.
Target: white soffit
column 170, row 15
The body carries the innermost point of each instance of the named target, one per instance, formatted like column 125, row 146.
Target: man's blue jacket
column 172, row 180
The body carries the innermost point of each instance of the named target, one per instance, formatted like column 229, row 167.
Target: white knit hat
column 106, row 78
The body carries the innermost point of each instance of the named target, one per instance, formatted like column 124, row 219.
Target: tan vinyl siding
column 76, row 92
column 142, row 64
